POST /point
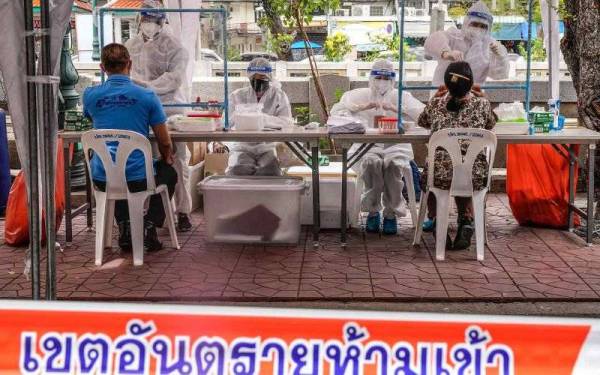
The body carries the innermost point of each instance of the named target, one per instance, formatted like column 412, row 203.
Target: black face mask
column 259, row 85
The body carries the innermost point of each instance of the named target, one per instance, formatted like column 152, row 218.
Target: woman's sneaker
column 373, row 223
column 390, row 226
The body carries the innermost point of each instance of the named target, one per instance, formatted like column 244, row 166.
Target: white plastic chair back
column 479, row 140
column 128, row 142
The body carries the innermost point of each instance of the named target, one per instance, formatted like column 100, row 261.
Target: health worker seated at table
column 120, row 104
column 381, row 168
column 258, row 159
column 457, row 105
column 473, row 44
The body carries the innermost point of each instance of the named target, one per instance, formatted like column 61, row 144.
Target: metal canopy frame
column 222, row 11
column 526, row 87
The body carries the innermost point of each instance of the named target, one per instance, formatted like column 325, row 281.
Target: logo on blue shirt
column 115, row 101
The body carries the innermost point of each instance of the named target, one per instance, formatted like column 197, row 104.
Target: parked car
column 249, row 56
column 209, row 55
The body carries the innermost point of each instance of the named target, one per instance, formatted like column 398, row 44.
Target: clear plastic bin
column 252, row 209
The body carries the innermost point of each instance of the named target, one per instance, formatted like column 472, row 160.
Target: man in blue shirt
column 121, row 104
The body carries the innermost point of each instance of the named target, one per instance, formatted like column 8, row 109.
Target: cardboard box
column 215, row 164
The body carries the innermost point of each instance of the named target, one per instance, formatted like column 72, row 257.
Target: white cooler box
column 330, row 189
column 252, row 209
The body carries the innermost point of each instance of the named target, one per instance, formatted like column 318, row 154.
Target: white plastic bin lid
column 219, row 183
column 334, row 170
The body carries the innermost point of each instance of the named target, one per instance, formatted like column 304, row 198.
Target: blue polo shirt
column 120, row 104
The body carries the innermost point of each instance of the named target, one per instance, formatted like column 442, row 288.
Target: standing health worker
column 160, row 63
column 473, row 43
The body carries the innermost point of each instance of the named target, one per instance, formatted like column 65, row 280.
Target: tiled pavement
column 521, row 264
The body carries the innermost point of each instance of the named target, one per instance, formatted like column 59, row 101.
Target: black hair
column 459, row 81
column 114, row 58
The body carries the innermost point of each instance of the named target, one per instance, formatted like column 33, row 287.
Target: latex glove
column 453, row 56
column 140, row 82
column 390, row 107
column 362, row 107
column 495, row 47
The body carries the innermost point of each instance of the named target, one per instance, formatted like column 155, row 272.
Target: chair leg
column 101, row 203
column 421, row 220
column 412, row 196
column 109, row 223
column 479, row 212
column 170, row 218
column 135, row 202
column 441, row 229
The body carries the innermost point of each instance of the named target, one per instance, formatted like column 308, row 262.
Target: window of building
column 376, row 11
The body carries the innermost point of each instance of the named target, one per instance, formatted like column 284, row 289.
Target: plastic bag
column 511, row 112
column 538, row 185
column 16, row 230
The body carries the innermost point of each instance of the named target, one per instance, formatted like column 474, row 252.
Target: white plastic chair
column 116, row 189
column 462, row 183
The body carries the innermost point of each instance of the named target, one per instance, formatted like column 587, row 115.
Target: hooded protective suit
column 382, row 168
column 159, row 62
column 487, row 57
column 260, row 159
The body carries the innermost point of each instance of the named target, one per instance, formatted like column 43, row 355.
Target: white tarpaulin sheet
column 187, row 27
column 14, row 68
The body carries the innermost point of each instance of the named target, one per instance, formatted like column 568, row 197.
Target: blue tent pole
column 401, row 69
column 225, row 78
column 528, row 78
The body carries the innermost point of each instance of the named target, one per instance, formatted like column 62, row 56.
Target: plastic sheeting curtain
column 186, row 26
column 17, row 45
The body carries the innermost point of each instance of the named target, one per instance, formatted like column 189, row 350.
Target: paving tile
column 335, row 288
column 519, row 263
column 263, row 287
column 417, row 288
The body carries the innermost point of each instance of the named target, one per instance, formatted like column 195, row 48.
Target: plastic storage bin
column 330, row 189
column 252, row 209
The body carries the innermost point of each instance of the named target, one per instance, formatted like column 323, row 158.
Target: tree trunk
column 311, row 59
column 276, row 28
column 581, row 48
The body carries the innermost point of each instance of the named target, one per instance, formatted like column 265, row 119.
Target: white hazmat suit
column 381, row 169
column 159, row 62
column 487, row 57
column 260, row 159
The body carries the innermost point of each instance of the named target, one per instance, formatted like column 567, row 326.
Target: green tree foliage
column 293, row 16
column 233, row 54
column 538, row 52
column 392, row 49
column 337, row 46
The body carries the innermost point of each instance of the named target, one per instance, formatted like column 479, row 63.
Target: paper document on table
column 345, row 125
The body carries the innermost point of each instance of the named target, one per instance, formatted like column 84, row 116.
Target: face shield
column 260, row 74
column 478, row 22
column 151, row 23
column 381, row 81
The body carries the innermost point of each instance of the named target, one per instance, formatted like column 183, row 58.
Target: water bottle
column 554, row 107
